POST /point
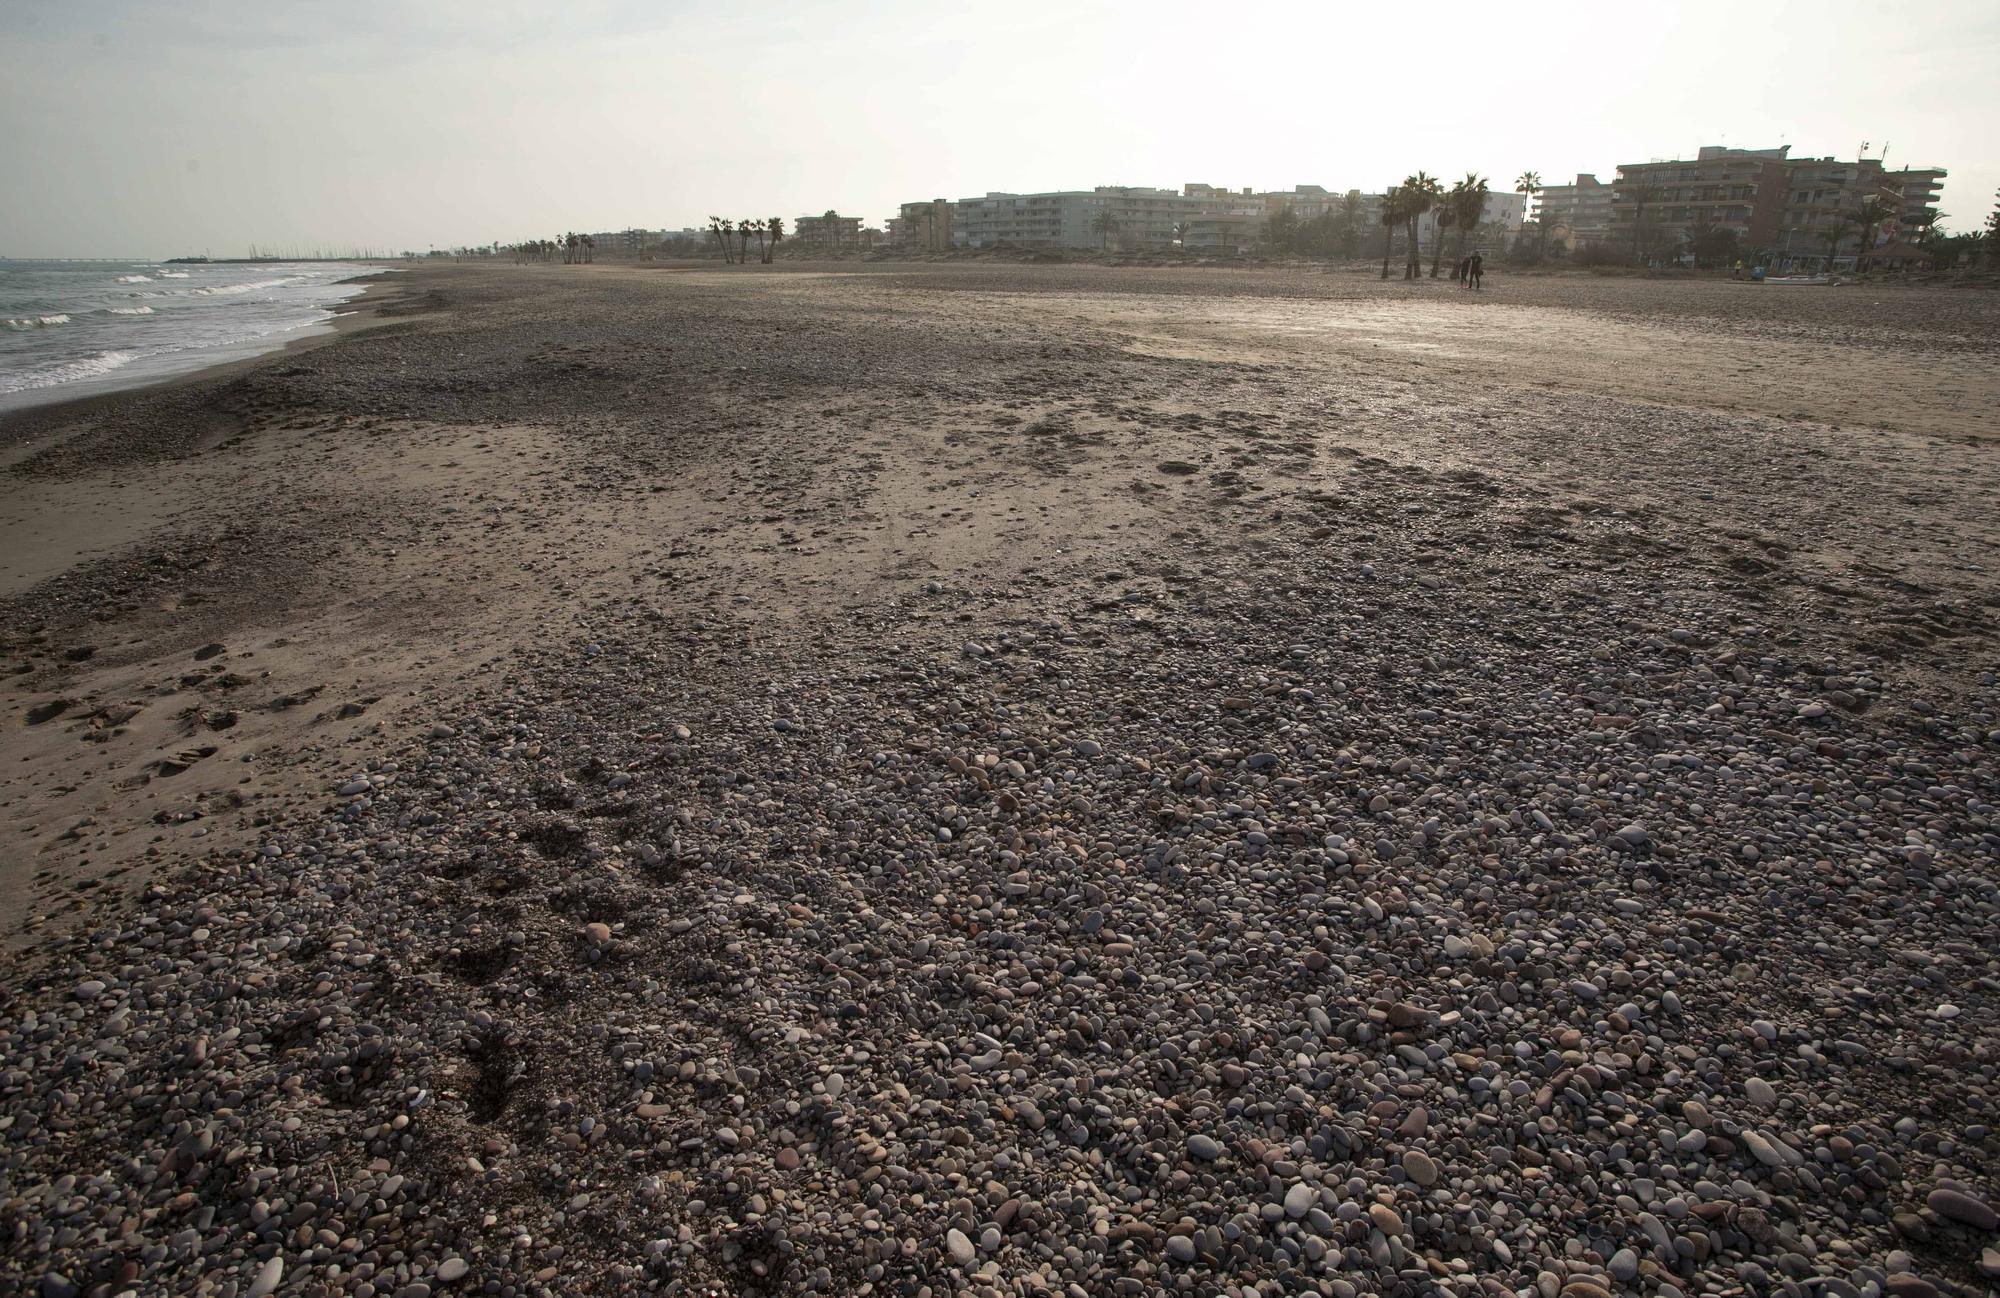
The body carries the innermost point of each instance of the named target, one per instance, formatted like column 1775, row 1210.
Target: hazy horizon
column 384, row 126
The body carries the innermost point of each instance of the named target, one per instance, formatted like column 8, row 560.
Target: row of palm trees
column 771, row 229
column 1457, row 208
column 575, row 249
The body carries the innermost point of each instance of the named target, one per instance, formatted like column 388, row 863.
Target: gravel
column 1267, row 926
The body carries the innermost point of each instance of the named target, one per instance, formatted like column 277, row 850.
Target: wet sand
column 810, row 683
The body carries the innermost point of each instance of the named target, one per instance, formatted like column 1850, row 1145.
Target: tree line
column 576, row 249
column 1458, row 208
column 1337, row 232
column 767, row 232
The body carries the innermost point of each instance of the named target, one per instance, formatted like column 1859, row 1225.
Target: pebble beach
column 1013, row 780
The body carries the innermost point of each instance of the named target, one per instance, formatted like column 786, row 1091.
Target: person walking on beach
column 1477, row 270
column 1464, row 275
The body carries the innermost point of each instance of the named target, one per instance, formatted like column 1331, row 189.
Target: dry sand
column 256, row 615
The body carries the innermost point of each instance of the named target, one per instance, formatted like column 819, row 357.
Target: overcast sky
column 136, row 127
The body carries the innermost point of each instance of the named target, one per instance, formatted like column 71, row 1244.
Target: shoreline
column 62, row 405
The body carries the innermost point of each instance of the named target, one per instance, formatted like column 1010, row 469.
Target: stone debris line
column 1350, row 878
column 1257, row 951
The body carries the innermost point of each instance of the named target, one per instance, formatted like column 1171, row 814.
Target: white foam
column 221, row 289
column 38, row 322
column 88, row 367
column 173, row 274
column 131, row 310
column 135, row 279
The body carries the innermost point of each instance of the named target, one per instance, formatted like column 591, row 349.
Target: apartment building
column 1825, row 198
column 1221, row 221
column 1798, row 209
column 925, row 226
column 1311, row 202
column 1822, row 197
column 1744, row 190
column 1307, row 202
column 828, row 230
column 624, row 243
column 1913, row 192
column 1138, row 217
column 1576, row 213
column 1057, row 219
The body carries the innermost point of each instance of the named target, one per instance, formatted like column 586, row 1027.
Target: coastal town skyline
column 436, row 127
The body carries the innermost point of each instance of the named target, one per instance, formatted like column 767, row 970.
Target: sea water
column 75, row 327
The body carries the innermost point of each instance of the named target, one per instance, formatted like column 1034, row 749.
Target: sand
column 363, row 525
column 374, row 640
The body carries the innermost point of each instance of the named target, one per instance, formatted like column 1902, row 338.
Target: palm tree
column 1420, row 193
column 1697, row 236
column 1182, row 229
column 1868, row 216
column 1702, row 238
column 1470, row 195
column 1392, row 216
column 776, row 227
column 757, row 228
column 1641, row 198
column 589, row 249
column 1347, row 236
column 1104, row 225
column 742, row 243
column 1447, row 217
column 1530, row 183
column 1282, row 230
column 717, row 226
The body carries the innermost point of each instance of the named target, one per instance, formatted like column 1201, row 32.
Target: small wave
column 135, row 279
column 88, row 367
column 222, row 289
column 131, row 310
column 38, row 322
column 173, row 274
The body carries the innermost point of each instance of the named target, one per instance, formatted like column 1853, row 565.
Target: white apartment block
column 1141, row 218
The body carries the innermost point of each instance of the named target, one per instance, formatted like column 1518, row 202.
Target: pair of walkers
column 1471, row 270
